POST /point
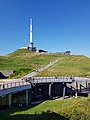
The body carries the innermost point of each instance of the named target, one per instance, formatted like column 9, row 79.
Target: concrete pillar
column 64, row 89
column 10, row 100
column 71, row 91
column 80, row 88
column 77, row 85
column 27, row 97
column 76, row 94
column 50, row 85
column 86, row 85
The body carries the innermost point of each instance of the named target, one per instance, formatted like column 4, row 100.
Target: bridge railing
column 50, row 79
column 13, row 84
column 27, row 81
column 53, row 77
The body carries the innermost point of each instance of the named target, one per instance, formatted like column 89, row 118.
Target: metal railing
column 12, row 84
column 50, row 79
column 27, row 81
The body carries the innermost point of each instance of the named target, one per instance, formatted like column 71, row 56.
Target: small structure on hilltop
column 40, row 51
column 67, row 52
column 61, row 53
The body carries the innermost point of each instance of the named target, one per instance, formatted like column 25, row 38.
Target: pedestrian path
column 41, row 69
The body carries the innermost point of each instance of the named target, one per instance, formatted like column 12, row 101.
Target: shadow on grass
column 43, row 116
column 48, row 115
column 5, row 114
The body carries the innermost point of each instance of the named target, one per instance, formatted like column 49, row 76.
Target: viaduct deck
column 56, row 79
column 36, row 87
column 24, row 84
column 11, row 87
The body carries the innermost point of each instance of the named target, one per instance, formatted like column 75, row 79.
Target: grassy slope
column 23, row 62
column 69, row 65
column 72, row 109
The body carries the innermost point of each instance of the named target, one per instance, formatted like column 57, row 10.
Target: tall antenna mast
column 31, row 32
column 31, row 44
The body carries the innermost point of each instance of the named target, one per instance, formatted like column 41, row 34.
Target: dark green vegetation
column 68, row 109
column 23, row 61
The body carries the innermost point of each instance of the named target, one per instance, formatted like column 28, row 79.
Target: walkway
column 41, row 69
column 13, row 86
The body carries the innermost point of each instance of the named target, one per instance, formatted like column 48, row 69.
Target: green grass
column 70, row 109
column 23, row 61
column 75, row 65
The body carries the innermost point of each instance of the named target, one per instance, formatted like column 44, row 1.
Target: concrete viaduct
column 29, row 89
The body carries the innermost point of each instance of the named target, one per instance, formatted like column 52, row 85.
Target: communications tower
column 31, row 44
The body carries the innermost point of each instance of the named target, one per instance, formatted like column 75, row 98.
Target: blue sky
column 58, row 25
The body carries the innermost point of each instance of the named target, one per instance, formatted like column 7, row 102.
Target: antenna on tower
column 30, row 30
column 31, row 44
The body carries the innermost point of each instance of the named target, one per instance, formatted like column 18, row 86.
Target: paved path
column 7, row 81
column 41, row 69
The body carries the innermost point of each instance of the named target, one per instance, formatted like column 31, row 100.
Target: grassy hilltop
column 68, row 109
column 23, row 61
